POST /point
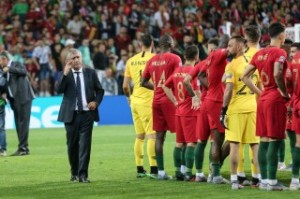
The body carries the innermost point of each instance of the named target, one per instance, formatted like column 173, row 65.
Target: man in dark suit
column 82, row 94
column 20, row 96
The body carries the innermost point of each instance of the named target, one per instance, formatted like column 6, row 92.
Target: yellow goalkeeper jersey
column 243, row 99
column 134, row 69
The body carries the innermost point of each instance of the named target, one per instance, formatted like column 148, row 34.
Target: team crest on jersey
column 281, row 59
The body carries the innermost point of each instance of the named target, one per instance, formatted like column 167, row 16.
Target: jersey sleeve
column 229, row 77
column 280, row 56
column 253, row 60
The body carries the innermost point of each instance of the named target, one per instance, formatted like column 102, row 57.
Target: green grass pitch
column 45, row 173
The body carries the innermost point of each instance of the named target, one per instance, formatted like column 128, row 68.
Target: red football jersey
column 214, row 69
column 264, row 61
column 295, row 70
column 159, row 68
column 194, row 74
column 175, row 81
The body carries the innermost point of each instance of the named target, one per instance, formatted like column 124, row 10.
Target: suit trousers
column 22, row 119
column 79, row 140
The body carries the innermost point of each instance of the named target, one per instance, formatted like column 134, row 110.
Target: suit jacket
column 19, row 83
column 67, row 86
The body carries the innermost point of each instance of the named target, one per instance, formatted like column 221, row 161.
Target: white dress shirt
column 83, row 96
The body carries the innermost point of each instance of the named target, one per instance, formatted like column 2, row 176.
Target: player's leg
column 249, row 137
column 292, row 137
column 240, row 169
column 261, row 131
column 236, row 124
column 202, row 135
column 216, row 155
column 189, row 131
column 178, row 149
column 147, row 121
column 139, row 141
column 225, row 151
column 183, row 162
column 276, row 111
column 281, row 156
column 296, row 153
column 160, row 126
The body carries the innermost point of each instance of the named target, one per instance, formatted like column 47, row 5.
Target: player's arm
column 188, row 86
column 246, row 78
column 203, row 79
column 145, row 83
column 170, row 94
column 126, row 88
column 279, row 79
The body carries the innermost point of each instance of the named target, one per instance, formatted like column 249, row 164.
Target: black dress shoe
column 84, row 180
column 20, row 153
column 74, row 178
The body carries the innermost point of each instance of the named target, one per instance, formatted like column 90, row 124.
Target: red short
column 271, row 119
column 208, row 119
column 164, row 117
column 185, row 129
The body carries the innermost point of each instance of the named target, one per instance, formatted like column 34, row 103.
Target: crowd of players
column 238, row 95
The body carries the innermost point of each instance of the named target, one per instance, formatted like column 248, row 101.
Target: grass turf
column 45, row 172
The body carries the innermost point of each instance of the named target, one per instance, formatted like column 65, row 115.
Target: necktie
column 78, row 92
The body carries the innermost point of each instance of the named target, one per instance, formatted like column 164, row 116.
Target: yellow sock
column 240, row 168
column 139, row 151
column 151, row 152
column 254, row 169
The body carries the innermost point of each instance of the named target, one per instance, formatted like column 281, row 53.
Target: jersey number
column 161, row 81
column 242, row 92
column 180, row 92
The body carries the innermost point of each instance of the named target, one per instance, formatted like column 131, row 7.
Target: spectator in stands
column 109, row 83
column 100, row 60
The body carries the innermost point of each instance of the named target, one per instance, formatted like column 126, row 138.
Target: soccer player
column 294, row 48
column 212, row 45
column 140, row 102
column 185, row 116
column 271, row 109
column 252, row 36
column 210, row 76
column 295, row 67
column 159, row 68
column 241, row 104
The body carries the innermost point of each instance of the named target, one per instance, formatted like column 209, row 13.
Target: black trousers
column 22, row 119
column 79, row 140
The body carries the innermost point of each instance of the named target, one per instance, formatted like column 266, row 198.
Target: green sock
column 189, row 157
column 216, row 169
column 296, row 162
column 262, row 159
column 183, row 159
column 160, row 162
column 281, row 151
column 199, row 156
column 177, row 158
column 272, row 159
column 292, row 137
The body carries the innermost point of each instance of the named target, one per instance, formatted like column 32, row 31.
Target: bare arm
column 126, row 86
column 170, row 94
column 145, row 83
column 279, row 79
column 188, row 86
column 246, row 78
column 227, row 94
column 203, row 79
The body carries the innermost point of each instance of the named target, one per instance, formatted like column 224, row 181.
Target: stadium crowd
column 51, row 37
column 37, row 32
